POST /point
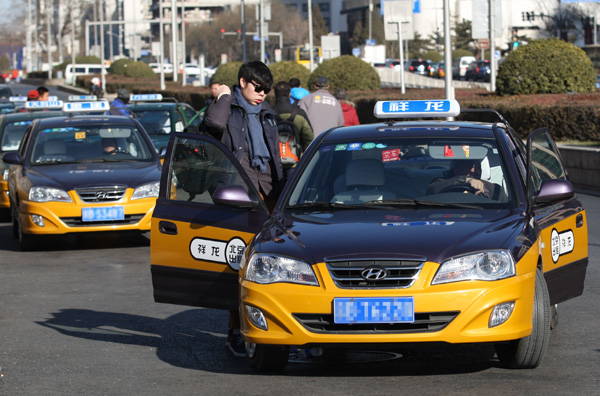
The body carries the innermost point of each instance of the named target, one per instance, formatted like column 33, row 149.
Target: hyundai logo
column 374, row 274
column 100, row 195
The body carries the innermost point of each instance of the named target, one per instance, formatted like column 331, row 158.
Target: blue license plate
column 374, row 310
column 103, row 214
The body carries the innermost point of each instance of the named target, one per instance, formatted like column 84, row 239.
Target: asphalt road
column 77, row 317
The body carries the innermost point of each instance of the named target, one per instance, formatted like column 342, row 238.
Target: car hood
column 71, row 176
column 429, row 235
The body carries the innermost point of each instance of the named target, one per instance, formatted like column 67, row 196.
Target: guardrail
column 391, row 78
column 583, row 167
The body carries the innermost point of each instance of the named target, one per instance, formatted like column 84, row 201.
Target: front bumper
column 65, row 217
column 453, row 313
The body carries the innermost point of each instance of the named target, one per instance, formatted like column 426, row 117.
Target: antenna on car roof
column 489, row 111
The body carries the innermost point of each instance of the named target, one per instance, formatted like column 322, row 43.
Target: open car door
column 559, row 217
column 206, row 214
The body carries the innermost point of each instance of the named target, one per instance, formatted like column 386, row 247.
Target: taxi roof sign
column 86, row 107
column 416, row 108
column 53, row 98
column 82, row 98
column 44, row 105
column 145, row 98
column 18, row 98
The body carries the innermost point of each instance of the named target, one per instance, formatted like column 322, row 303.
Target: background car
column 82, row 174
column 460, row 66
column 418, row 66
column 478, row 71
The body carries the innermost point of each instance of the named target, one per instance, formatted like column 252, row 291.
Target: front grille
column 349, row 274
column 425, row 322
column 101, row 194
column 77, row 222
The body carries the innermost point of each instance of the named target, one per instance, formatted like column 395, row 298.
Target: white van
column 460, row 66
column 81, row 69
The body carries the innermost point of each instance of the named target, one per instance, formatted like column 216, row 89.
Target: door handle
column 579, row 220
column 166, row 227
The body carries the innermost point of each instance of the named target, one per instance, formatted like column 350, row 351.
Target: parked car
column 378, row 238
column 419, row 66
column 460, row 66
column 478, row 71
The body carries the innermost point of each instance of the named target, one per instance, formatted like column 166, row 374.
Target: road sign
column 483, row 43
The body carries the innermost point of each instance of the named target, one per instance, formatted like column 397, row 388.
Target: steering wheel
column 116, row 151
column 461, row 188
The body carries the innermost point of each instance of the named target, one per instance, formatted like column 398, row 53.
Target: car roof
column 74, row 121
column 25, row 116
column 413, row 129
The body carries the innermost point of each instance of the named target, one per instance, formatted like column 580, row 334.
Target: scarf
column 257, row 147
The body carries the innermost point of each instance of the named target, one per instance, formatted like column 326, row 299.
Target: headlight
column 47, row 194
column 487, row 266
column 265, row 268
column 146, row 191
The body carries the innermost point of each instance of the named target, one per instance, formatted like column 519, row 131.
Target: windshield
column 158, row 124
column 465, row 172
column 5, row 93
column 13, row 134
column 90, row 144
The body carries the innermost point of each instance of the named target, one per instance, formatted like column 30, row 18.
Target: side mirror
column 11, row 158
column 554, row 190
column 233, row 196
column 162, row 153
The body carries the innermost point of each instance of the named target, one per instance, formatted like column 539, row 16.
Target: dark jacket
column 284, row 109
column 227, row 121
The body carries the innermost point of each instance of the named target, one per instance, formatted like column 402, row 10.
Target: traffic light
column 515, row 44
column 239, row 34
column 515, row 39
column 222, row 34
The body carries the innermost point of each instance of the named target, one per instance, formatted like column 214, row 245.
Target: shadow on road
column 195, row 339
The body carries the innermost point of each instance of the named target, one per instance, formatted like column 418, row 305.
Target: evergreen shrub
column 227, row 74
column 119, row 66
column 286, row 70
column 139, row 69
column 348, row 72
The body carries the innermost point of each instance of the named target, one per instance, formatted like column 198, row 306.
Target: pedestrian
column 348, row 108
column 302, row 126
column 297, row 92
column 32, row 96
column 246, row 124
column 119, row 105
column 95, row 88
column 213, row 89
column 323, row 109
column 44, row 93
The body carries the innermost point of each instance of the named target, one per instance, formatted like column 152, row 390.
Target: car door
column 561, row 222
column 196, row 244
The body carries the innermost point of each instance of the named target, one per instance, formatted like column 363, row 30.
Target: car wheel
column 264, row 358
column 528, row 352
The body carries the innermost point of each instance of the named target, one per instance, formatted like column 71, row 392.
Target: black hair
column 294, row 83
column 256, row 71
column 42, row 90
column 282, row 89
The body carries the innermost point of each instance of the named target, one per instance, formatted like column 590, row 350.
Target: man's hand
column 222, row 90
column 477, row 185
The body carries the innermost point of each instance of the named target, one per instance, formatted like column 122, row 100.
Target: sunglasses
column 260, row 88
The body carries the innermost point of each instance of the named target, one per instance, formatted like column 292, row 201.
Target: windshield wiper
column 323, row 205
column 418, row 202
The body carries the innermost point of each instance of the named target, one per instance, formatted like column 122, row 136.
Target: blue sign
column 370, row 42
column 416, row 6
column 416, row 108
column 356, row 51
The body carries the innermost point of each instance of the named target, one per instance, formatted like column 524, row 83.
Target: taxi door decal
column 562, row 225
column 197, row 245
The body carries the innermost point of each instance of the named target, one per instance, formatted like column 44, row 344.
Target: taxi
column 12, row 130
column 160, row 116
column 76, row 174
column 397, row 232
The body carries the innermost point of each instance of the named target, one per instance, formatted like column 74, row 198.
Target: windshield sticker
column 79, row 135
column 354, row 146
column 341, row 147
column 381, row 145
column 230, row 253
column 448, row 151
column 561, row 243
column 418, row 223
column 368, row 146
column 326, row 148
column 19, row 123
column 466, row 150
column 390, row 155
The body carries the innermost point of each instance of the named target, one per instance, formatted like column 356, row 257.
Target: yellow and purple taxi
column 397, row 232
column 77, row 174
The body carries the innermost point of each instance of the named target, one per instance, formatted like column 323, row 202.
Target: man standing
column 323, row 109
column 44, row 93
column 119, row 104
column 242, row 120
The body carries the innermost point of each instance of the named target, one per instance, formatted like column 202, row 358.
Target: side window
column 545, row 160
column 198, row 168
column 178, row 120
column 188, row 113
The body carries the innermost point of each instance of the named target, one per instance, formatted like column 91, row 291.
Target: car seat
column 55, row 150
column 365, row 180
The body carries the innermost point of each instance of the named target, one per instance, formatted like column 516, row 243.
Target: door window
column 545, row 160
column 198, row 168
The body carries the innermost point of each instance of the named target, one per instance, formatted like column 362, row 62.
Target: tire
column 26, row 241
column 528, row 352
column 266, row 358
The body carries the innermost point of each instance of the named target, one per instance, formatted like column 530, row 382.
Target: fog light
column 37, row 220
column 501, row 313
column 256, row 317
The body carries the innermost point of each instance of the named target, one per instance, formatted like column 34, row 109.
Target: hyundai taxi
column 12, row 130
column 160, row 116
column 397, row 232
column 81, row 174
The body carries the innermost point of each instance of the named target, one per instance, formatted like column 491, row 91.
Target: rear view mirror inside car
column 114, row 132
